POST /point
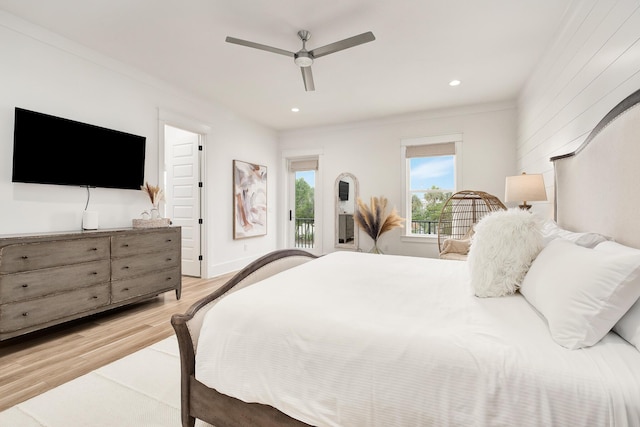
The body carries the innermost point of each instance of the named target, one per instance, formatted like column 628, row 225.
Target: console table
column 47, row 279
column 345, row 228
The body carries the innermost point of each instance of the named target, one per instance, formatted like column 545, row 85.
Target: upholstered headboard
column 597, row 186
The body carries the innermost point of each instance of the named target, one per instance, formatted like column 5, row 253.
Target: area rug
column 142, row 389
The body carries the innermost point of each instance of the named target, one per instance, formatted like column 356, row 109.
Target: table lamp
column 525, row 188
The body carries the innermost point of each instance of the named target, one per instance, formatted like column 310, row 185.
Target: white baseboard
column 230, row 266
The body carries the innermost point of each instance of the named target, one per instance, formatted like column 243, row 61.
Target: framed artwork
column 249, row 200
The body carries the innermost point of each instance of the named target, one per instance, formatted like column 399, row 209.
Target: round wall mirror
column 346, row 194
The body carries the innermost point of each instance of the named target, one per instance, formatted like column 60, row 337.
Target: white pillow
column 551, row 231
column 628, row 327
column 503, row 246
column 581, row 292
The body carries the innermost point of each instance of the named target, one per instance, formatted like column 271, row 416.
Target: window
column 431, row 176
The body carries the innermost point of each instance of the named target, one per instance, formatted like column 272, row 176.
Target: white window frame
column 287, row 197
column 456, row 138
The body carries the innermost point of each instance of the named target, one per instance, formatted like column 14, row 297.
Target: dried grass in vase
column 155, row 193
column 374, row 220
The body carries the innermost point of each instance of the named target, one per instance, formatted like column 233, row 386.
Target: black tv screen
column 54, row 150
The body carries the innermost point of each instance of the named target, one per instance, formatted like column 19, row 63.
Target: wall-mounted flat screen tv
column 54, row 150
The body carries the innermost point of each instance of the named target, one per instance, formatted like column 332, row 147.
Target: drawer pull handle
column 168, row 278
column 126, row 267
column 168, row 240
column 125, row 289
column 94, row 249
column 126, row 245
column 25, row 314
column 25, row 285
column 95, row 297
column 94, row 272
column 169, row 259
column 24, row 257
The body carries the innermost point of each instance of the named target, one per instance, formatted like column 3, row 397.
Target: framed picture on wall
column 249, row 200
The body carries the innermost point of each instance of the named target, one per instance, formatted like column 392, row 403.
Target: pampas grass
column 155, row 193
column 373, row 218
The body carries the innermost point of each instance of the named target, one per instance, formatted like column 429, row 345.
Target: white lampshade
column 524, row 188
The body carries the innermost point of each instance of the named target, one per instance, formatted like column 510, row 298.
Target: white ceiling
column 490, row 45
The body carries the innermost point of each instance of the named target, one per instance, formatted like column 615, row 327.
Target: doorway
column 183, row 189
column 303, row 230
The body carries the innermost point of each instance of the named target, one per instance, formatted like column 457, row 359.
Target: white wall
column 371, row 151
column 251, row 143
column 593, row 64
column 43, row 72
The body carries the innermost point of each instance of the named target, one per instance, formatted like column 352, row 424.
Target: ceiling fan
column 304, row 58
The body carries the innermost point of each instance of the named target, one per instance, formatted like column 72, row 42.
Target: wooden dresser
column 47, row 279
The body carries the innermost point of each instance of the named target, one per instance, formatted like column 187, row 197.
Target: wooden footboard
column 202, row 402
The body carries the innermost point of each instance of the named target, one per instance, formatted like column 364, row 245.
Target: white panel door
column 183, row 195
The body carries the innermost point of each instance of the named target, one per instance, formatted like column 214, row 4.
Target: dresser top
column 15, row 238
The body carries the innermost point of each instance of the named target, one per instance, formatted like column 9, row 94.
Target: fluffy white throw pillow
column 503, row 248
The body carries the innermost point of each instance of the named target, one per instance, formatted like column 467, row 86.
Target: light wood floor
column 42, row 360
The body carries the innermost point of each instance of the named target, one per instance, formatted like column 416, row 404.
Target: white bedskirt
column 355, row 339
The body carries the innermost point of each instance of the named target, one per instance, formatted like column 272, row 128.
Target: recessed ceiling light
column 295, row 109
column 454, row 82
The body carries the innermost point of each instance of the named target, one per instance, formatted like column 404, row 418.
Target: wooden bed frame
column 205, row 403
column 580, row 189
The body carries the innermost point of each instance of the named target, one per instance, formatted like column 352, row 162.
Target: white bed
column 355, row 339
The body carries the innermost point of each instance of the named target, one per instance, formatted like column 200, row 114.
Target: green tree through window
column 429, row 208
column 304, row 199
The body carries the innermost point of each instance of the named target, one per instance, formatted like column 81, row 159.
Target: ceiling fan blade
column 307, row 77
column 342, row 44
column 259, row 46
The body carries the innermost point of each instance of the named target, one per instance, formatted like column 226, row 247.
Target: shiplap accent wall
column 593, row 64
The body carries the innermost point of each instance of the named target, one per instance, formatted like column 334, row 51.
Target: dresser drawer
column 124, row 268
column 137, row 243
column 159, row 282
column 20, row 315
column 33, row 256
column 46, row 281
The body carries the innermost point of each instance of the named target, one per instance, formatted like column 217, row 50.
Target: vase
column 155, row 213
column 375, row 249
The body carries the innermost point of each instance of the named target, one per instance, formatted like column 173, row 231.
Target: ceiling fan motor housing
column 303, row 59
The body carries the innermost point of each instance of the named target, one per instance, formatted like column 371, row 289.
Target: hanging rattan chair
column 461, row 211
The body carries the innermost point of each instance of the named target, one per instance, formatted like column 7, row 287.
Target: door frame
column 288, row 199
column 173, row 119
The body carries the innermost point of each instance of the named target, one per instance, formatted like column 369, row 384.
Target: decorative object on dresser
column 52, row 278
column 458, row 215
column 525, row 188
column 152, row 218
column 89, row 220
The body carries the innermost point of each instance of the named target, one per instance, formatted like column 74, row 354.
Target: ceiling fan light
column 303, row 60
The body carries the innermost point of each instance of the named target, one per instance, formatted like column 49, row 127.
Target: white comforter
column 354, row 339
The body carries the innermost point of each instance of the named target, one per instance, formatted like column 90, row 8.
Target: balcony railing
column 424, row 227
column 304, row 232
